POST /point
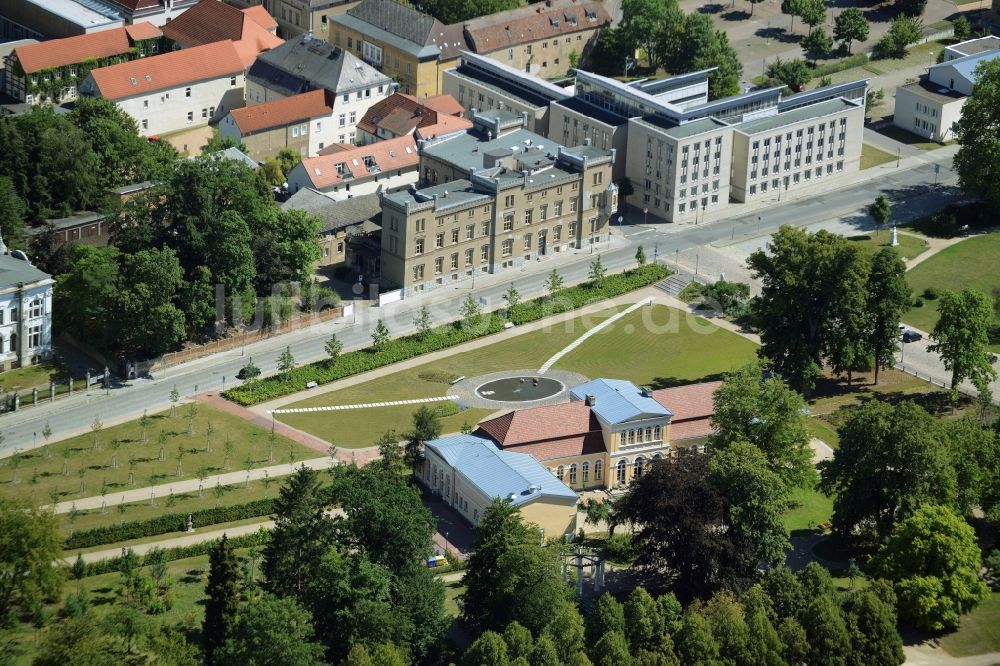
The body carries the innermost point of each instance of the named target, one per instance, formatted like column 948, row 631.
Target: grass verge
column 909, row 247
column 872, row 157
column 977, row 633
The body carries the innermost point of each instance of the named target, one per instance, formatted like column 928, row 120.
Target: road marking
column 364, row 405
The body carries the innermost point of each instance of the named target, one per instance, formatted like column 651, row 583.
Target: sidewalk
column 188, row 539
column 188, row 485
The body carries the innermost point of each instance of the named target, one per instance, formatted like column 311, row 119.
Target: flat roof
column 83, row 16
column 482, row 78
column 932, row 91
column 974, row 46
column 466, row 151
column 685, row 131
column 597, row 113
column 453, row 193
column 799, row 114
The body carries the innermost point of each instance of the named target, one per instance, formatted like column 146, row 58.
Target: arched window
column 620, row 471
column 559, row 472
column 35, row 308
column 586, row 472
column 572, row 474
column 598, row 468
column 657, row 456
column 649, row 434
column 656, row 433
column 638, row 467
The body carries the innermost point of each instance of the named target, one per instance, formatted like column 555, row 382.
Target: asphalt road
column 912, row 191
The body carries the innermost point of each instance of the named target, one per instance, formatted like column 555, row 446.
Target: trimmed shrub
column 931, row 293
column 259, row 538
column 918, row 302
column 170, row 522
column 441, row 337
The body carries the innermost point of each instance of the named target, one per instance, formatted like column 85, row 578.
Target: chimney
column 646, row 392
column 591, row 400
column 524, row 119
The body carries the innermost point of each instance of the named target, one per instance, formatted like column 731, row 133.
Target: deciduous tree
column 29, row 544
column 933, row 560
column 850, row 25
column 888, row 297
column 271, row 630
column 978, row 158
column 961, row 339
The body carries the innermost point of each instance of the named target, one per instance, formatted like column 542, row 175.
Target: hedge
column 170, row 522
column 442, row 337
column 111, row 565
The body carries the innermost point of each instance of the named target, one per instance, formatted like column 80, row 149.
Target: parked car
column 911, row 336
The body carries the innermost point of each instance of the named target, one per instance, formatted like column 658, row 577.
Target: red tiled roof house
column 384, row 166
column 52, row 71
column 173, row 91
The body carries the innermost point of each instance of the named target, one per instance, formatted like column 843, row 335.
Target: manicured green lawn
column 29, row 377
column 873, row 157
column 970, row 263
column 452, row 591
column 659, row 345
column 909, row 247
column 39, row 472
column 809, row 507
column 978, row 631
column 820, row 428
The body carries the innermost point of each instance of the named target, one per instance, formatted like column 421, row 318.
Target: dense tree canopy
column 978, row 131
column 29, row 543
column 961, row 339
column 271, row 630
column 457, row 11
column 890, row 461
column 933, row 559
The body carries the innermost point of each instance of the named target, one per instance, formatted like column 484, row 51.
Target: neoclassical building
column 540, row 458
column 25, row 311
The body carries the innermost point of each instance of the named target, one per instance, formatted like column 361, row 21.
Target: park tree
column 850, row 26
column 597, row 272
column 12, row 214
column 784, row 591
column 961, row 339
column 223, row 598
column 903, row 31
column 888, row 297
column 566, row 630
column 793, row 73
column 302, row 534
column 829, row 640
column 758, row 498
column 643, row 620
column 812, row 12
column 704, row 47
column 970, row 443
column 694, row 642
column 817, row 44
column 608, row 54
column 271, row 630
column 380, row 336
column 766, row 413
column 29, row 544
column 512, row 298
column 286, row 361
column 640, row 256
column 77, row 641
column 542, row 654
column 643, row 22
column 470, row 312
column 608, row 615
column 423, row 321
column 811, row 306
column 554, row 282
column 871, row 622
column 333, row 346
column 500, row 530
column 962, row 28
column 911, row 7
column 729, row 628
column 682, row 529
column 978, row 158
column 763, row 644
column 933, row 561
column 611, row 650
column 487, row 650
column 891, row 460
column 460, row 11
column 792, row 8
column 880, row 210
column 518, row 639
column 426, row 427
column 383, row 517
column 795, row 643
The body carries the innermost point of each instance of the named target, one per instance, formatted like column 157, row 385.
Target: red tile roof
column 532, row 23
column 690, row 401
column 261, row 17
column 443, row 104
column 389, row 155
column 536, row 424
column 281, row 112
column 143, row 30
column 214, row 21
column 564, row 447
column 689, row 429
column 72, row 50
column 401, row 114
column 167, row 71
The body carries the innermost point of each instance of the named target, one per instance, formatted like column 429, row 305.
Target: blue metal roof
column 966, row 66
column 514, row 476
column 617, row 401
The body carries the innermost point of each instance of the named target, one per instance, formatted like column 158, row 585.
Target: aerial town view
column 499, row 332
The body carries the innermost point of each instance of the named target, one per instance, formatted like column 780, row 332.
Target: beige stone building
column 492, row 200
column 301, row 17
column 416, row 49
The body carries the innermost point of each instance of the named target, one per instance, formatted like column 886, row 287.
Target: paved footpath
column 189, row 539
column 925, row 654
column 189, row 485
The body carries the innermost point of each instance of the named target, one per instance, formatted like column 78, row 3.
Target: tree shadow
column 671, row 382
column 711, row 8
column 880, row 13
column 735, row 15
column 778, row 35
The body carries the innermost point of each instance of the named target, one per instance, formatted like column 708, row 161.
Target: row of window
column 807, row 174
column 34, row 340
column 35, row 309
column 640, row 436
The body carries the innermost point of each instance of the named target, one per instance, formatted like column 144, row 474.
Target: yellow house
column 609, row 432
column 544, row 38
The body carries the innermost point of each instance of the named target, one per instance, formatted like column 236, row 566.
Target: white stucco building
column 25, row 311
column 305, row 64
column 174, row 91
